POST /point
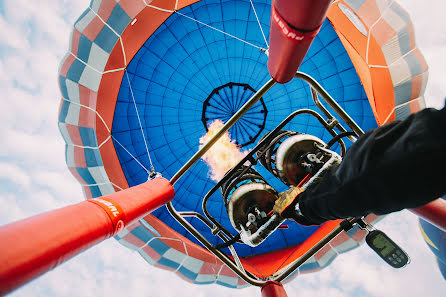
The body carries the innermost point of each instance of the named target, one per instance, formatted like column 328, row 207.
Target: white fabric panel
column 73, row 90
column 400, row 72
column 73, row 114
column 193, row 264
column 99, row 175
column 90, row 78
column 98, row 58
column 392, row 50
column 83, row 22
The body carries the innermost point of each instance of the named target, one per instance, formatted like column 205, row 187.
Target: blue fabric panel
column 95, row 191
column 118, row 19
column 88, row 136
column 92, row 157
column 177, row 69
column 63, row 86
column 142, row 234
column 403, row 92
column 75, row 71
column 159, row 246
column 309, row 266
column 400, row 12
column 86, row 176
column 414, row 64
column 168, row 263
column 84, row 48
column 187, row 273
column 355, row 4
column 403, row 40
column 64, row 111
column 106, row 39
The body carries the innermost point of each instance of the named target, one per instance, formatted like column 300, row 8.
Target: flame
column 223, row 155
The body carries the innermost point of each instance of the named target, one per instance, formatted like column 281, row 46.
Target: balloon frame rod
column 246, row 276
column 315, row 86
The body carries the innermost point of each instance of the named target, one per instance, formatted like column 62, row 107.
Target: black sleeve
column 398, row 165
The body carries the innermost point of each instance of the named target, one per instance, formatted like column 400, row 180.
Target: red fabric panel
column 66, row 65
column 74, row 133
column 79, row 159
column 75, row 41
column 93, row 28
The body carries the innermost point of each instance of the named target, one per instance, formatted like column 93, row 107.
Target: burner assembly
column 296, row 159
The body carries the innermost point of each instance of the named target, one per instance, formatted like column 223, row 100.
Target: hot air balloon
column 142, row 80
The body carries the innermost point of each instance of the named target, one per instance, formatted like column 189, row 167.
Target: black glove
column 285, row 206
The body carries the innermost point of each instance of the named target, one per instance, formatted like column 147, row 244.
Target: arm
column 399, row 165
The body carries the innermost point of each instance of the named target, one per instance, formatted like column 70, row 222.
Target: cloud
column 429, row 22
column 33, row 177
column 15, row 174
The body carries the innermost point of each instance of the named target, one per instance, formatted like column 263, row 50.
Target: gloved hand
column 285, row 206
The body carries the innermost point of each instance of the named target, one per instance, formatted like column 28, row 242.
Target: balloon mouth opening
column 224, row 101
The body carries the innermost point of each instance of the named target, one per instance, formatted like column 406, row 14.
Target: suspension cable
column 258, row 21
column 152, row 168
column 218, row 30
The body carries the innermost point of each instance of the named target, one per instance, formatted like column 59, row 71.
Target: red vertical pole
column 33, row 246
column 273, row 289
column 433, row 212
column 294, row 24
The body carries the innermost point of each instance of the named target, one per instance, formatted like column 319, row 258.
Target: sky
column 34, row 178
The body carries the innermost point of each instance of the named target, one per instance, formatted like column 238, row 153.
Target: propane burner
column 291, row 156
column 248, row 199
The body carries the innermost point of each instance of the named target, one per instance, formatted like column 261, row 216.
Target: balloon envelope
column 141, row 82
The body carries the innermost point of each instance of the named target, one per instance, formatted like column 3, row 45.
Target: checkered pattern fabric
column 175, row 254
column 95, row 34
column 392, row 28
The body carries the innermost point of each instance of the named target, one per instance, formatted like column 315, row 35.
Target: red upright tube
column 273, row 289
column 433, row 212
column 32, row 246
column 294, row 24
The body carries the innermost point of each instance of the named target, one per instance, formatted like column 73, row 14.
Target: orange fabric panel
column 377, row 82
column 384, row 94
column 362, row 69
column 375, row 53
column 343, row 25
column 106, row 103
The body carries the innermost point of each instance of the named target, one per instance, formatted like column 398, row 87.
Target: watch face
column 383, row 245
